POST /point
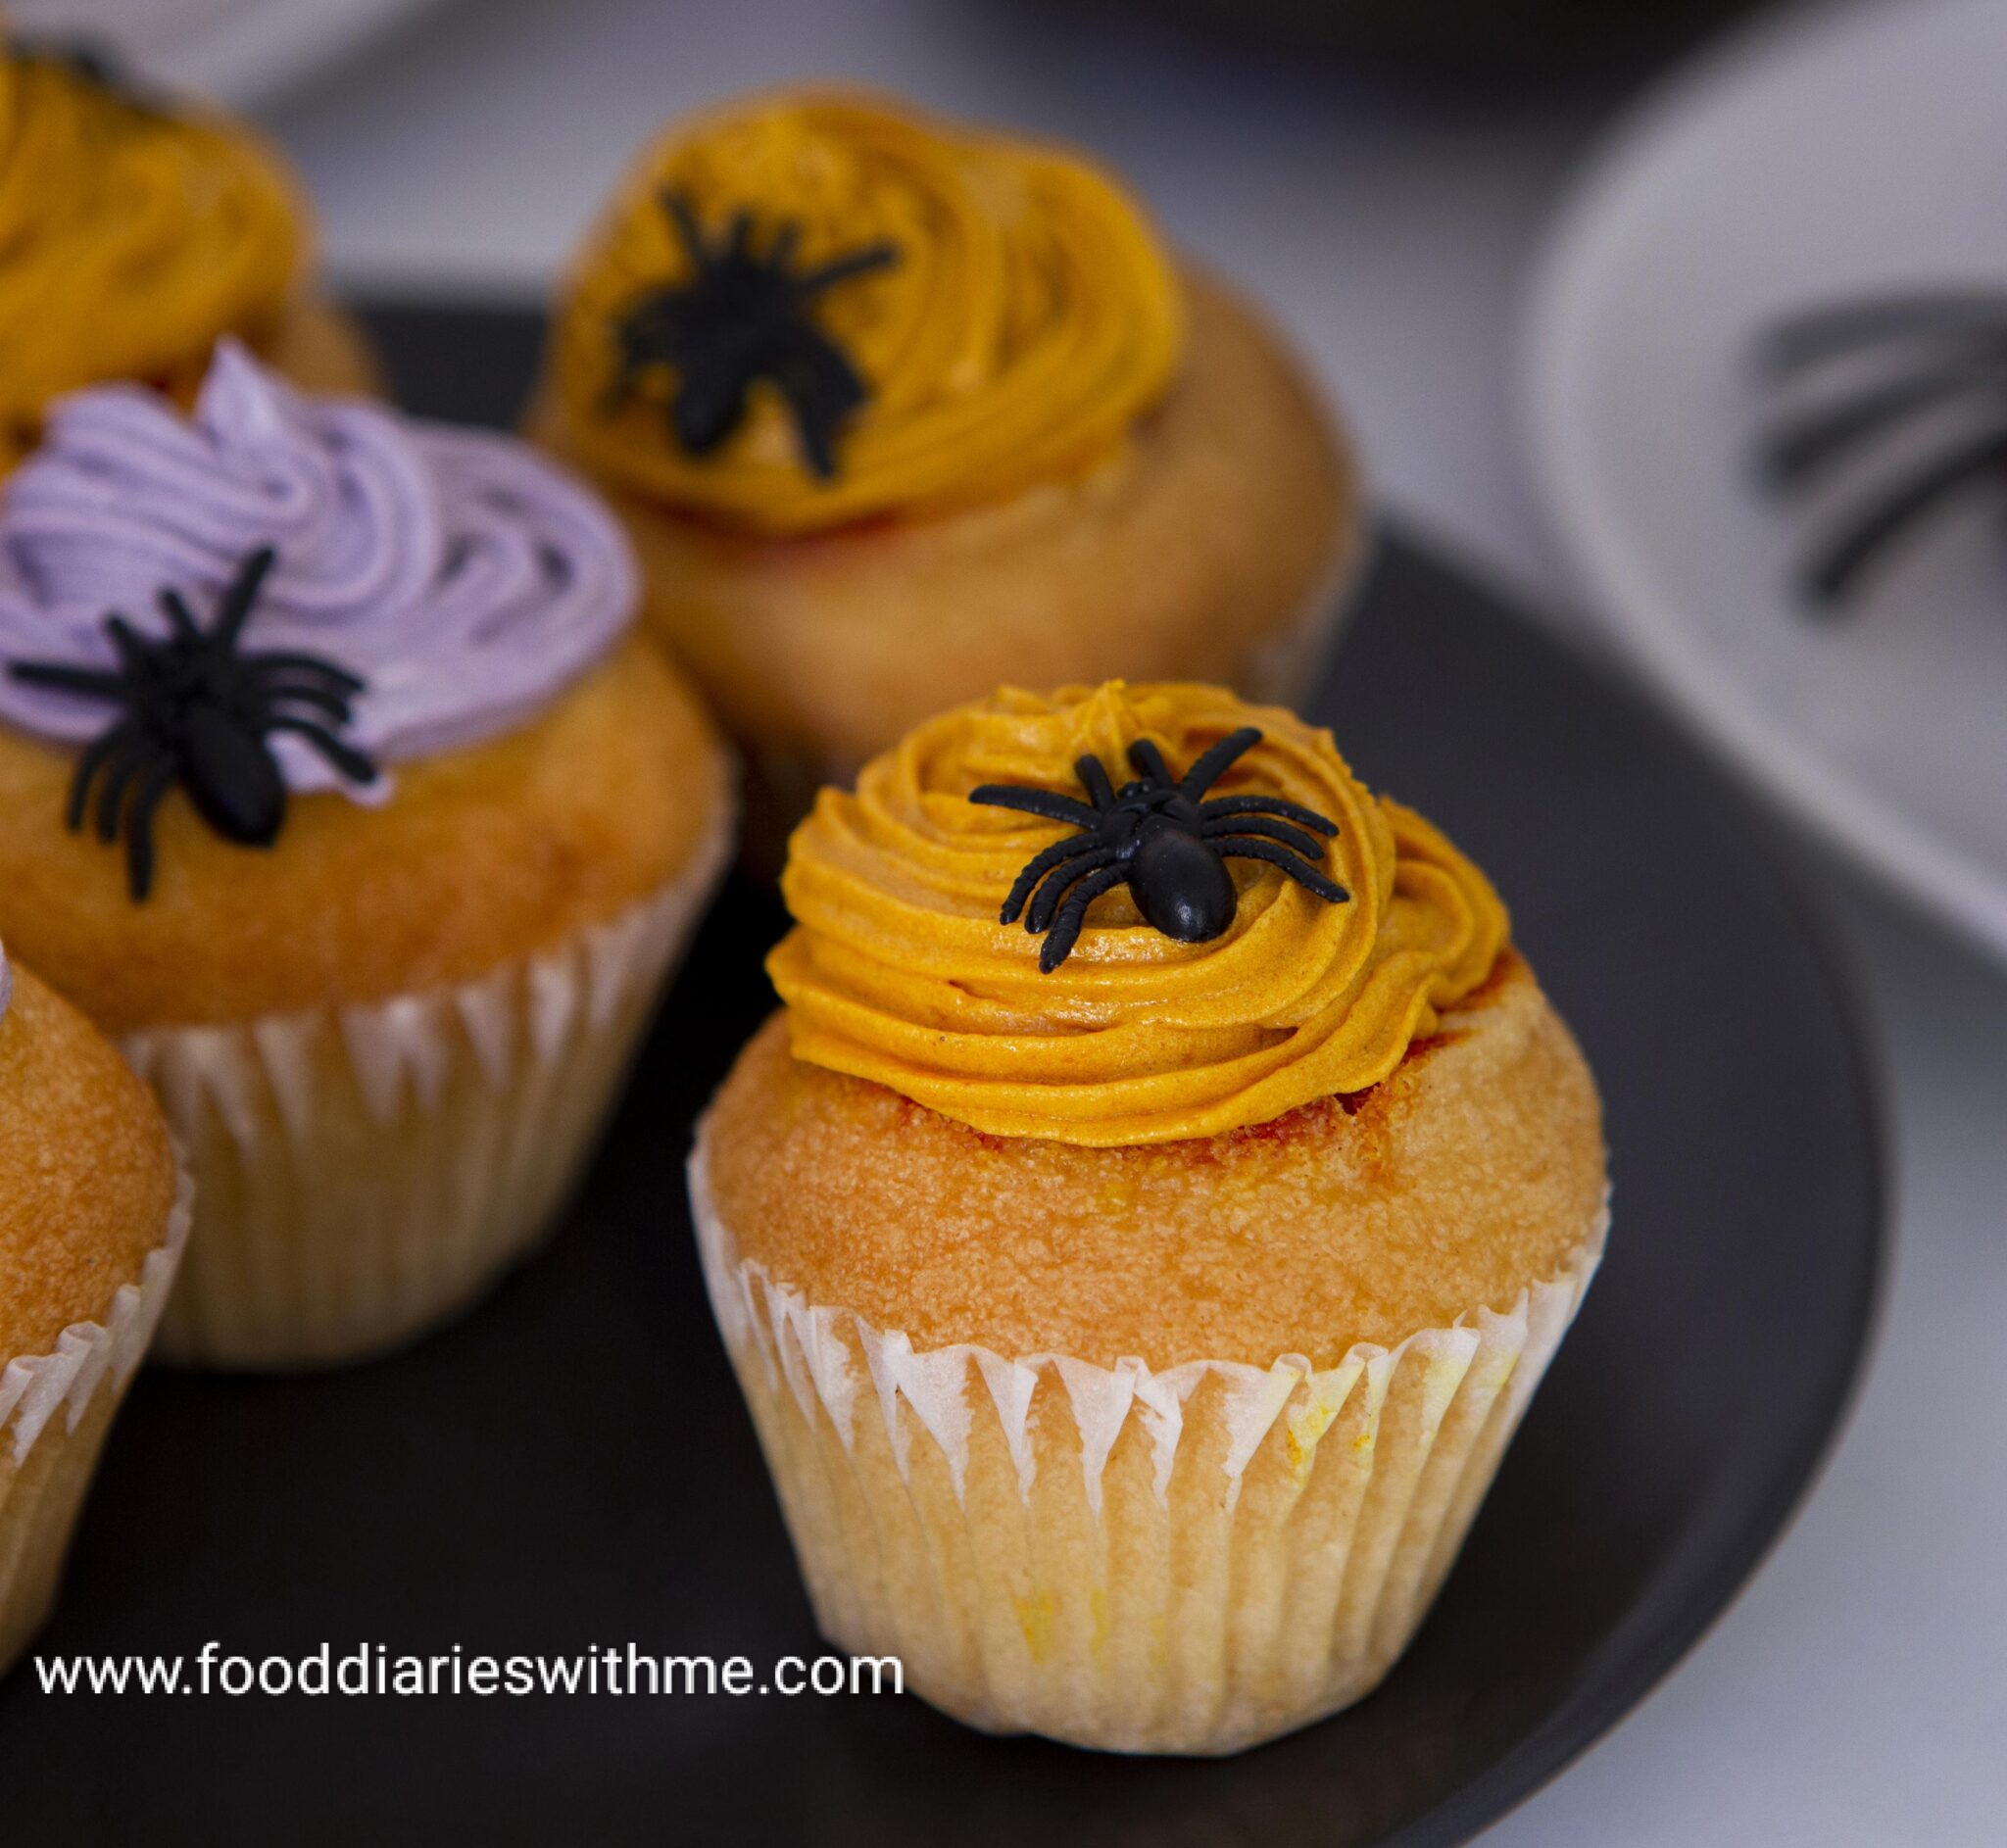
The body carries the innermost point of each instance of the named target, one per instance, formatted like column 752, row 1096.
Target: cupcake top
column 132, row 235
column 1263, row 931
column 810, row 309
column 347, row 587
column 5, row 981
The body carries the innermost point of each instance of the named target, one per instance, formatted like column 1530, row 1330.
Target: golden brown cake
column 135, row 230
column 335, row 784
column 92, row 1216
column 1145, row 1223
column 998, row 431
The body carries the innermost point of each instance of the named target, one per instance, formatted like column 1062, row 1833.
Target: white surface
column 238, row 50
column 1855, row 1694
column 1818, row 172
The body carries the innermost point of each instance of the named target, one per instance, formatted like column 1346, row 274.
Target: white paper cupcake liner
column 1186, row 1559
column 365, row 1172
column 54, row 1409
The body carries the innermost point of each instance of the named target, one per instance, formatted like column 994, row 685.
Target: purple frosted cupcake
column 334, row 786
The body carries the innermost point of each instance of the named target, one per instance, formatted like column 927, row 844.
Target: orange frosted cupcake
column 93, row 1213
column 135, row 228
column 897, row 407
column 1141, row 1227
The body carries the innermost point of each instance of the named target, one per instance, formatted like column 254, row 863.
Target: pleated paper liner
column 54, row 1409
column 1190, row 1559
column 364, row 1173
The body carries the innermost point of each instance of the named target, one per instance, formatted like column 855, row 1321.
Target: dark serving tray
column 572, row 1467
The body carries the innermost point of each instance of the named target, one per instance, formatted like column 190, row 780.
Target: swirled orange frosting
column 1028, row 320
column 130, row 239
column 898, row 969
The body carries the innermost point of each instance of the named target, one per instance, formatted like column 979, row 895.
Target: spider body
column 1161, row 838
column 1920, row 379
column 1180, row 884
column 198, row 711
column 743, row 315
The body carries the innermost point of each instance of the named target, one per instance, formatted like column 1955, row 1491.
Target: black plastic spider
column 200, row 711
column 1158, row 835
column 741, row 317
column 1886, row 366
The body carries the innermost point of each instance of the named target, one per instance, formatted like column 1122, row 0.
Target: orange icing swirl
column 899, row 971
column 1030, row 320
column 130, row 239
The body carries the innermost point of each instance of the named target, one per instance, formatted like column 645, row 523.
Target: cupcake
column 334, row 786
column 897, row 408
column 135, row 229
column 1144, row 1225
column 93, row 1213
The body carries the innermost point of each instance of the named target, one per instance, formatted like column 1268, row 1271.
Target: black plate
column 572, row 1467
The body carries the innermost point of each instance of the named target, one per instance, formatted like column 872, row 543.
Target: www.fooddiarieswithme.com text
column 374, row 1669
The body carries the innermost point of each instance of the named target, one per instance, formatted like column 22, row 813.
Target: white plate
column 241, row 52
column 1827, row 156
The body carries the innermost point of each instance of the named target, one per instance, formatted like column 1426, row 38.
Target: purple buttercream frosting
column 462, row 578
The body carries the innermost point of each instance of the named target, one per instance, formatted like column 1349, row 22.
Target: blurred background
column 1383, row 204
column 1488, row 221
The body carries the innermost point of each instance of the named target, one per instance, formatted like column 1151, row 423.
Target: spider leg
column 118, row 777
column 780, row 254
column 1804, row 339
column 818, row 438
column 336, row 705
column 1307, row 844
column 346, row 758
column 682, row 210
column 620, row 387
column 1800, row 449
column 882, row 255
column 739, row 234
column 1038, row 866
column 119, row 739
column 1066, row 927
column 1089, row 866
column 1046, row 804
column 308, row 666
column 1268, row 806
column 1309, row 877
column 822, row 388
column 1094, row 780
column 139, row 828
column 235, row 608
column 648, row 333
column 62, row 678
column 815, row 426
column 180, row 619
column 1149, row 764
column 133, row 652
column 1869, row 529
column 1211, row 763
